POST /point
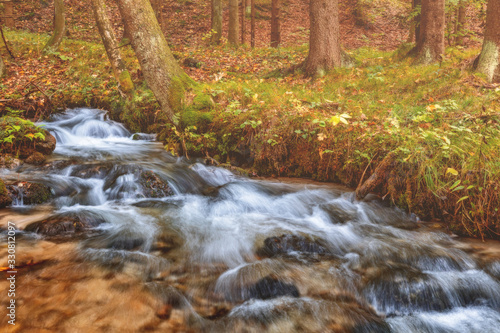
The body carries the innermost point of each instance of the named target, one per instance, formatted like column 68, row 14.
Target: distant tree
column 488, row 61
column 430, row 41
column 275, row 24
column 252, row 23
column 216, row 21
column 163, row 74
column 59, row 27
column 122, row 76
column 460, row 23
column 416, row 6
column 3, row 70
column 233, row 28
column 243, row 23
column 8, row 13
column 324, row 46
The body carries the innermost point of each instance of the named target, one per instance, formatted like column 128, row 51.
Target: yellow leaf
column 452, row 171
column 335, row 120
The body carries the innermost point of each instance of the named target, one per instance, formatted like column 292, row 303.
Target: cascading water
column 138, row 240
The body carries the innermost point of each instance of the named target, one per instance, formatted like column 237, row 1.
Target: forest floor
column 441, row 121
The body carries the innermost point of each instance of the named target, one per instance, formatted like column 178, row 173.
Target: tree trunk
column 157, row 7
column 430, row 45
column 9, row 14
column 461, row 21
column 232, row 36
column 275, row 24
column 163, row 75
column 3, row 70
column 324, row 46
column 488, row 62
column 417, row 20
column 216, row 21
column 59, row 28
column 125, row 85
column 252, row 23
column 243, row 22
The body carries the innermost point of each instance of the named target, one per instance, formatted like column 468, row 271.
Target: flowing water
column 135, row 239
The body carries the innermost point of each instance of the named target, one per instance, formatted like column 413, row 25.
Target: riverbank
column 441, row 122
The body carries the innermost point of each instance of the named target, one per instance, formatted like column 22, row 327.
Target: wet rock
column 36, row 158
column 5, row 199
column 143, row 136
column 270, row 287
column 337, row 213
column 86, row 171
column 30, row 193
column 47, row 146
column 401, row 289
column 64, row 224
column 153, row 186
column 285, row 244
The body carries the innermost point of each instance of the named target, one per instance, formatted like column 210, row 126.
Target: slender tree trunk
column 216, row 21
column 275, row 24
column 233, row 22
column 163, row 75
column 461, row 20
column 125, row 85
column 243, row 14
column 430, row 46
column 252, row 23
column 59, row 27
column 324, row 46
column 157, row 7
column 417, row 20
column 9, row 14
column 3, row 69
column 488, row 62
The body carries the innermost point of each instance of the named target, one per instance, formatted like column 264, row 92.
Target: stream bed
column 137, row 240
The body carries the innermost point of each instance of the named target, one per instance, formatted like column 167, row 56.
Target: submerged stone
column 285, row 244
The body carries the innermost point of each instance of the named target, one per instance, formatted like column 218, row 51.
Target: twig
column 5, row 42
column 363, row 175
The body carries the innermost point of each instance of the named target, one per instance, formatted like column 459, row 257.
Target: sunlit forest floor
column 441, row 121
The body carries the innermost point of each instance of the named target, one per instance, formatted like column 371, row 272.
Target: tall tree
column 430, row 41
column 275, row 24
column 324, row 46
column 416, row 6
column 233, row 30
column 125, row 85
column 216, row 21
column 163, row 74
column 488, row 61
column 59, row 27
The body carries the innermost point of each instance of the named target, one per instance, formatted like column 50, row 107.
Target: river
column 135, row 240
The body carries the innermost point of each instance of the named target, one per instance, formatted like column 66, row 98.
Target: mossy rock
column 196, row 118
column 5, row 199
column 36, row 158
column 33, row 193
column 203, row 101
